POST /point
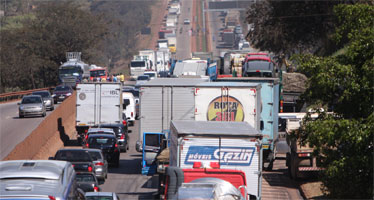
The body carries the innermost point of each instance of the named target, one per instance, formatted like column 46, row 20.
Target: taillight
column 196, row 165
column 86, row 137
column 116, row 145
column 124, row 122
column 87, row 145
column 122, row 137
column 85, row 131
column 214, row 165
column 89, row 168
column 99, row 164
column 132, row 114
column 51, row 197
column 96, row 189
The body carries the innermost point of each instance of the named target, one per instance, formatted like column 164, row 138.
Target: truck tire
column 294, row 163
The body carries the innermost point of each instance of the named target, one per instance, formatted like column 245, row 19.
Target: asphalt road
column 184, row 38
column 14, row 130
column 127, row 180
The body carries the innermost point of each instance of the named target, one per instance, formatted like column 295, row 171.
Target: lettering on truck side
column 225, row 155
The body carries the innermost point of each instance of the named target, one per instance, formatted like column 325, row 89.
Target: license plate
column 62, row 97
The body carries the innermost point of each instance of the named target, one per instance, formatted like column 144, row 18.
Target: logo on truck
column 224, row 155
column 226, row 108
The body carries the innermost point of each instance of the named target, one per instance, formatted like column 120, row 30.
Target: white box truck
column 228, row 145
column 98, row 103
column 150, row 57
column 229, row 101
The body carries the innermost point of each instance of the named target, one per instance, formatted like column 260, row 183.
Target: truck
column 150, row 57
column 259, row 65
column 196, row 99
column 153, row 144
column 74, row 70
column 269, row 113
column 202, row 182
column 225, row 145
column 195, row 67
column 98, row 73
column 98, row 103
column 162, row 57
column 203, row 55
column 300, row 160
column 172, row 40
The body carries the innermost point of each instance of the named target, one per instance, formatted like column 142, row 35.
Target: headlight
column 68, row 94
column 41, row 106
column 53, row 95
column 21, row 107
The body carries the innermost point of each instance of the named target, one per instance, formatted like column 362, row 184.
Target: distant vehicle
column 101, row 196
column 96, row 73
column 259, row 65
column 137, row 67
column 87, row 182
column 108, row 131
column 80, row 158
column 31, row 105
column 142, row 79
column 121, row 134
column 151, row 74
column 129, row 107
column 61, row 93
column 101, row 165
column 37, row 177
column 47, row 98
column 73, row 71
column 108, row 144
column 135, row 92
column 186, row 21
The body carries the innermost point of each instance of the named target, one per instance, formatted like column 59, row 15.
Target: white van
column 129, row 107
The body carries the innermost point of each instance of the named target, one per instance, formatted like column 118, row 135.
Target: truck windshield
column 97, row 73
column 70, row 71
column 137, row 64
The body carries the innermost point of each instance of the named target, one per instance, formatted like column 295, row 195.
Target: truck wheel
column 294, row 166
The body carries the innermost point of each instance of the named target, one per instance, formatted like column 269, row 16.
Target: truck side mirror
column 261, row 125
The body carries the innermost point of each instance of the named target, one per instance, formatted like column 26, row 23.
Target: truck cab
column 153, row 144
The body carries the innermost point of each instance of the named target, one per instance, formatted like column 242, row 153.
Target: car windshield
column 137, row 64
column 73, row 156
column 99, row 198
column 150, row 74
column 101, row 141
column 85, row 178
column 43, row 94
column 126, row 102
column 97, row 73
column 62, row 88
column 96, row 155
column 30, row 100
column 143, row 78
column 115, row 129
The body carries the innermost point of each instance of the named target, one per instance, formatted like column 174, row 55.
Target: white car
column 186, row 21
column 151, row 74
column 129, row 107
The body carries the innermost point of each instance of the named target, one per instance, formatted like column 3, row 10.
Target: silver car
column 101, row 164
column 32, row 105
column 47, row 99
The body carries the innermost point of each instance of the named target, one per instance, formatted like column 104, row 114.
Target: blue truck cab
column 153, row 144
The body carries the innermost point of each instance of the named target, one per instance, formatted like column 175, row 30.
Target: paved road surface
column 184, row 38
column 127, row 180
column 14, row 130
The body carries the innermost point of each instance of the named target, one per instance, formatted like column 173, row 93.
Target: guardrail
column 17, row 95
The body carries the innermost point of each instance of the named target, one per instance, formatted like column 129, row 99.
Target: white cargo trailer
column 229, row 101
column 229, row 145
column 98, row 103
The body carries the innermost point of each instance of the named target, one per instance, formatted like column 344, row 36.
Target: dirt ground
column 312, row 190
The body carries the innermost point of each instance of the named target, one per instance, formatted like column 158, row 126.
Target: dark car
column 47, row 99
column 80, row 158
column 61, row 93
column 121, row 133
column 108, row 144
column 87, row 182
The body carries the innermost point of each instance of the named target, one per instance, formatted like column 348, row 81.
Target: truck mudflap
column 306, row 169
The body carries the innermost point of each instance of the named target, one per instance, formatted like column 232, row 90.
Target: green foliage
column 346, row 148
column 344, row 82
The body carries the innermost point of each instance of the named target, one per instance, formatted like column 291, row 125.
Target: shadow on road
column 127, row 166
column 65, row 138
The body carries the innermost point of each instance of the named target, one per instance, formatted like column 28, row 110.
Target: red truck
column 202, row 182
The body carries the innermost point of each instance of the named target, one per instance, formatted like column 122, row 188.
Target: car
column 122, row 135
column 61, row 93
column 31, row 105
column 80, row 158
column 186, row 21
column 151, row 74
column 90, row 131
column 108, row 144
column 129, row 107
column 101, row 196
column 87, row 182
column 47, row 98
column 135, row 92
column 101, row 165
column 142, row 79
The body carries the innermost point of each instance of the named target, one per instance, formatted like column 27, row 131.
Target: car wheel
column 55, row 102
column 44, row 114
column 117, row 164
column 125, row 150
column 52, row 108
column 21, row 116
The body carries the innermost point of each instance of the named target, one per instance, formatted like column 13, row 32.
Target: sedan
column 61, row 93
column 47, row 99
column 31, row 105
column 87, row 182
column 101, row 165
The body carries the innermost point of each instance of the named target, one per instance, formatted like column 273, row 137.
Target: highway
column 184, row 38
column 14, row 130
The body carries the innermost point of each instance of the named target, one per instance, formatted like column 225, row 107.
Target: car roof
column 91, row 130
column 99, row 194
column 112, row 125
column 30, row 96
column 94, row 150
column 72, row 149
column 41, row 91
